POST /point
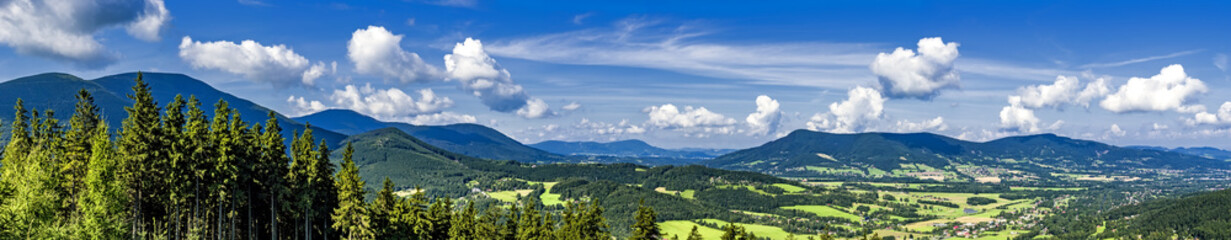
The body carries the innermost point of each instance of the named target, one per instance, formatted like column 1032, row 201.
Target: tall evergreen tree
column 439, row 215
column 77, row 140
column 646, row 227
column 139, row 148
column 694, row 234
column 386, row 211
column 463, row 224
column 104, row 201
column 271, row 171
column 351, row 217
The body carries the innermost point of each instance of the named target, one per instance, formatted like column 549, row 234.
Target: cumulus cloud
column 1115, row 130
column 441, row 118
column 1223, row 116
column 479, row 74
column 1016, row 117
column 277, row 64
column 571, row 106
column 862, row 106
column 300, row 106
column 64, row 30
column 1066, row 90
column 935, row 124
column 905, row 74
column 1171, row 89
column 388, row 104
column 376, row 51
column 670, row 116
column 535, row 108
column 604, row 128
column 765, row 120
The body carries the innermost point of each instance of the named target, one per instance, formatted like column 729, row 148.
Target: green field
column 825, row 211
column 789, row 188
column 682, row 228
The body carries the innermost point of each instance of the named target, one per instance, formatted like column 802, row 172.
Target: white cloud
column 441, row 118
column 935, row 124
column 572, row 106
column 670, row 116
column 648, row 43
column 1220, row 61
column 303, row 107
column 1115, row 130
column 903, row 74
column 376, row 51
column 534, row 108
column 454, row 3
column 765, row 120
column 388, row 104
column 479, row 74
column 1223, row 116
column 1171, row 89
column 603, row 128
column 1016, row 117
column 64, row 30
column 1066, row 90
column 580, row 18
column 862, row 106
column 277, row 64
column 1139, row 60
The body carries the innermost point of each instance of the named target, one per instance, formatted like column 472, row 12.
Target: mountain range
column 56, row 92
column 806, row 153
column 799, row 154
column 624, row 148
column 1208, row 152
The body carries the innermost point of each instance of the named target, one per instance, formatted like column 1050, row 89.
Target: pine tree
column 82, row 125
column 271, row 170
column 488, row 225
column 386, row 211
column 439, row 215
column 351, row 218
column 694, row 234
column 179, row 172
column 139, row 147
column 35, row 202
column 300, row 178
column 199, row 153
column 462, row 226
column 327, row 197
column 104, row 201
column 646, row 227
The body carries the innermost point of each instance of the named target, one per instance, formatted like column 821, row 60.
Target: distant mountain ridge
column 623, row 148
column 806, row 153
column 56, row 91
column 468, row 139
column 1207, row 152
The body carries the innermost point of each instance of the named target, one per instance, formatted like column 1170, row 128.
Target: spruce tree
column 439, row 215
column 462, row 226
column 179, row 172
column 77, row 139
column 351, row 217
column 646, row 227
column 104, row 201
column 694, row 234
column 139, row 147
column 386, row 211
column 271, row 171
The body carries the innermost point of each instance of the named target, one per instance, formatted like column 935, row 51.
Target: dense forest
column 173, row 173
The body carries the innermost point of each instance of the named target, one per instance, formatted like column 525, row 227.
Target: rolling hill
column 1207, row 152
column 930, row 156
column 625, row 148
column 56, row 91
column 468, row 139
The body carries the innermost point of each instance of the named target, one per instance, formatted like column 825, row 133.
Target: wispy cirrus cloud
column 1140, row 60
column 655, row 44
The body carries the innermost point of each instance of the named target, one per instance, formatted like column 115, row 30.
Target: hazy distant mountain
column 469, row 139
column 809, row 153
column 1207, row 152
column 56, row 91
column 625, row 148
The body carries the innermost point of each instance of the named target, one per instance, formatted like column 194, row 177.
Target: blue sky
column 1134, row 72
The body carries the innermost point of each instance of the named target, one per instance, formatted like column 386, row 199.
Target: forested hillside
column 175, row 172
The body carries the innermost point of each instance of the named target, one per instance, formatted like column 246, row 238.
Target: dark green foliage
column 979, row 201
column 1203, row 216
column 646, row 227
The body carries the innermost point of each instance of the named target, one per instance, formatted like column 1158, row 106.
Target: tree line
column 176, row 172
